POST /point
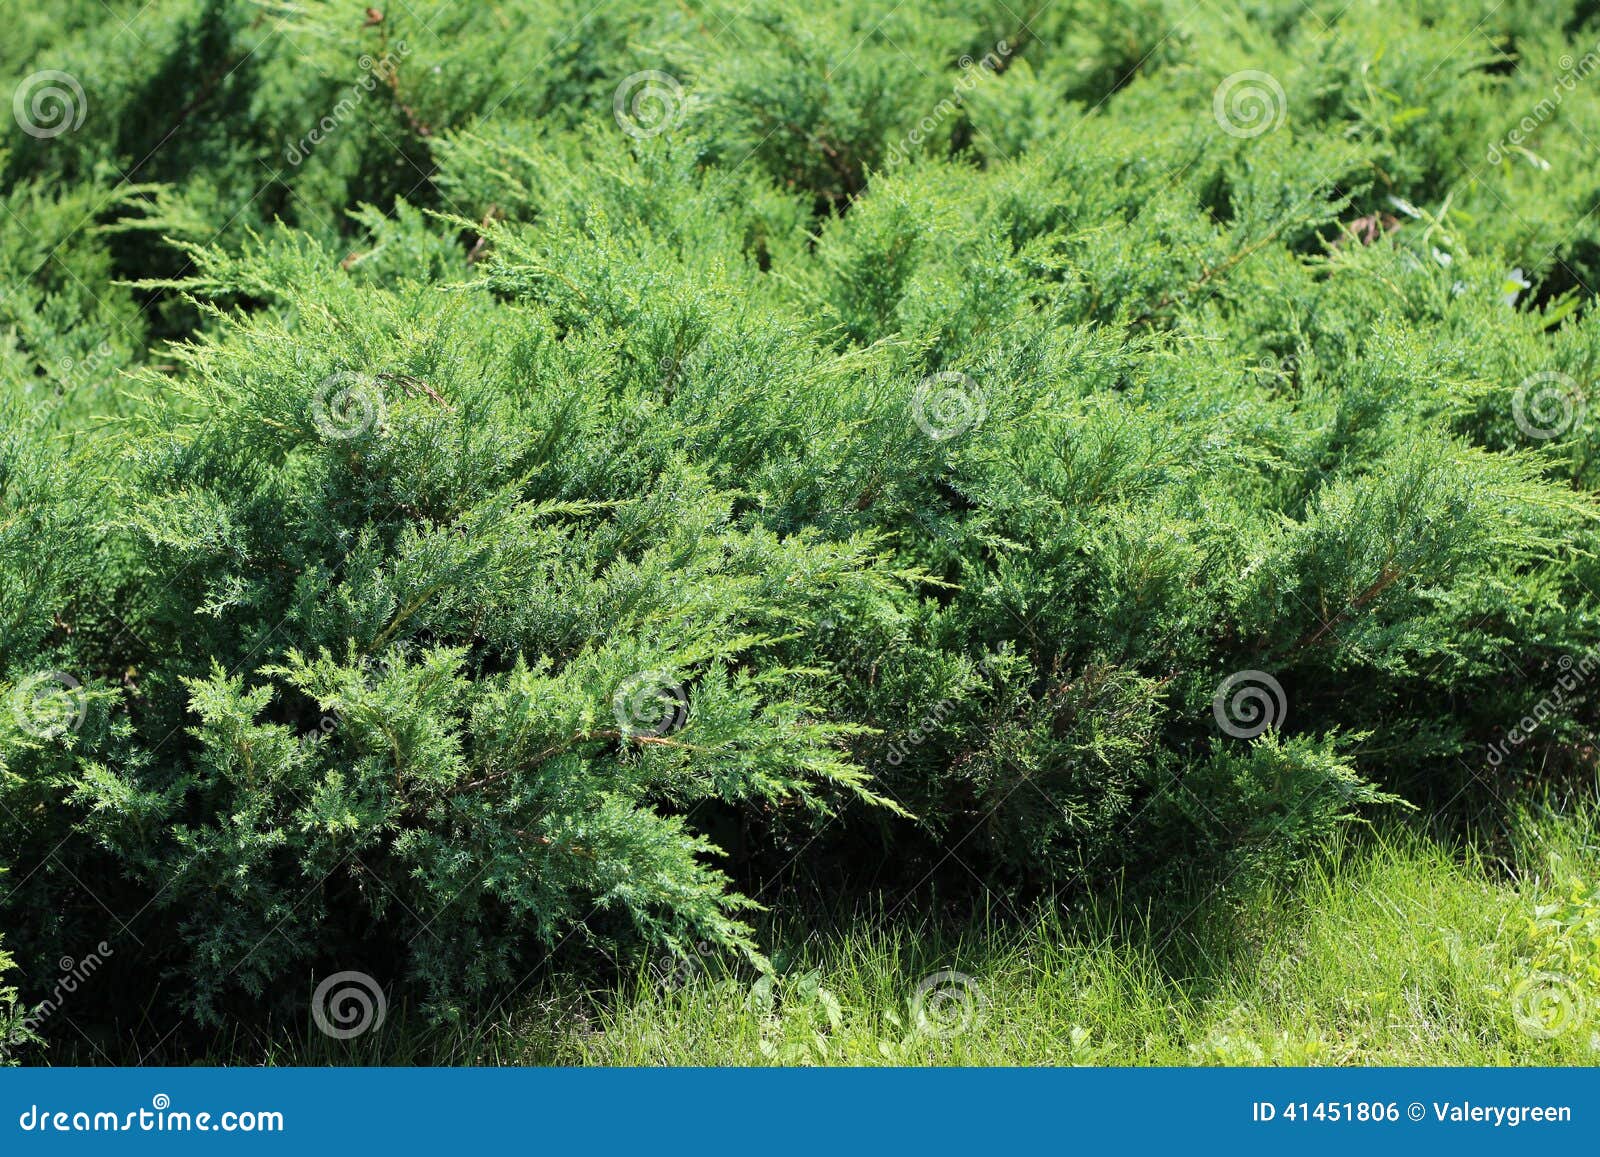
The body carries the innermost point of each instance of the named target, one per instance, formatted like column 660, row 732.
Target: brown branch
column 391, row 76
column 1386, row 578
column 1206, row 275
column 417, row 385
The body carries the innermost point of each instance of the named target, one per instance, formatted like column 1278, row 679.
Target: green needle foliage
column 476, row 484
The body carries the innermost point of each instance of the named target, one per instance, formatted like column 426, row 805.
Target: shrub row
column 452, row 506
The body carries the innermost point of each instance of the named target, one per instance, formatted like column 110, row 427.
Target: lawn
column 1399, row 948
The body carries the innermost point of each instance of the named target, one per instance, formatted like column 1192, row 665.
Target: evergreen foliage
column 451, row 509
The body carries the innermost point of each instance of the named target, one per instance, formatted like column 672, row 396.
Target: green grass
column 1398, row 950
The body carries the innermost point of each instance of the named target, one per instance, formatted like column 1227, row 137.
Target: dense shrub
column 574, row 492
